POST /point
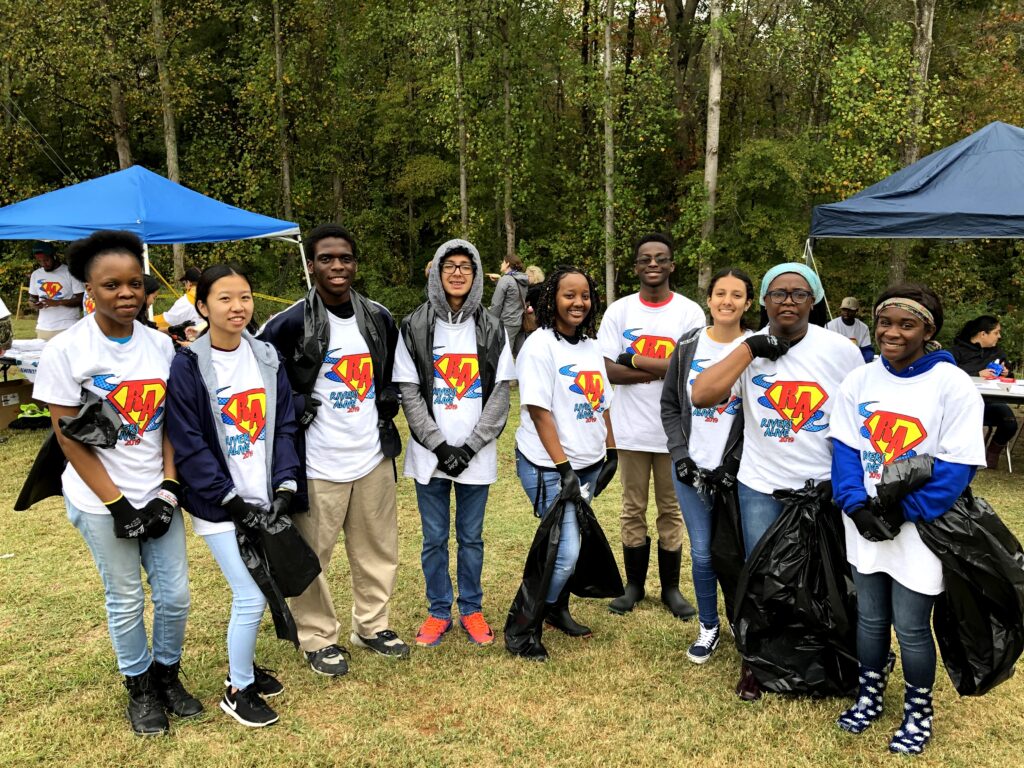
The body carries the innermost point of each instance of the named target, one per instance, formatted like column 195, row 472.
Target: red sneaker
column 477, row 629
column 432, row 631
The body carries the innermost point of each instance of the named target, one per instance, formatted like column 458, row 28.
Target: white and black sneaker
column 329, row 661
column 707, row 642
column 385, row 643
column 248, row 707
column 267, row 685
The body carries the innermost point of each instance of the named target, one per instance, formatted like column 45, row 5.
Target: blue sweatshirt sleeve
column 868, row 353
column 936, row 496
column 847, row 477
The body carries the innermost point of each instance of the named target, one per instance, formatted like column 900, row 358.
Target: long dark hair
column 980, row 324
column 547, row 312
column 740, row 275
column 206, row 280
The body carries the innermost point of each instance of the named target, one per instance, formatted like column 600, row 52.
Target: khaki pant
column 47, row 335
column 635, row 469
column 366, row 510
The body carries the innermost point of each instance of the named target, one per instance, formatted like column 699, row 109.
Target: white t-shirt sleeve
column 405, row 369
column 506, row 370
column 54, row 382
column 843, row 425
column 76, row 287
column 962, row 440
column 609, row 335
column 533, row 369
column 180, row 311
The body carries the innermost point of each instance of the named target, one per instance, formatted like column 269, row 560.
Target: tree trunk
column 118, row 111
column 461, row 113
column 282, row 120
column 339, row 198
column 609, row 161
column 506, row 67
column 585, row 60
column 170, row 126
column 684, row 46
column 711, row 141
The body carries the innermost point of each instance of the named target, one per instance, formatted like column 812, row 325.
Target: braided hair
column 546, row 307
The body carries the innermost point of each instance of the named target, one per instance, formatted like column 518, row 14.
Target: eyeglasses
column 463, row 269
column 798, row 296
column 661, row 260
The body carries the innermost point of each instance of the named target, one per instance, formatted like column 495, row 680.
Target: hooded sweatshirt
column 509, row 295
column 416, row 353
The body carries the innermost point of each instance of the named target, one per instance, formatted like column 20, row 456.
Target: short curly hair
column 81, row 253
column 546, row 308
column 921, row 294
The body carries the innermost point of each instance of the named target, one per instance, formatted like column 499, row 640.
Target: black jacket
column 972, row 358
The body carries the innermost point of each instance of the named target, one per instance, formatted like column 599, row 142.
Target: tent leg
column 302, row 256
column 145, row 268
column 809, row 261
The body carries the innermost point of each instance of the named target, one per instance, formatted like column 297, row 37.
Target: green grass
column 628, row 696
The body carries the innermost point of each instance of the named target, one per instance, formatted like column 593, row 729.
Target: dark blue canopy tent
column 158, row 210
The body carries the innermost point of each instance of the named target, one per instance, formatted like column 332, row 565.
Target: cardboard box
column 13, row 394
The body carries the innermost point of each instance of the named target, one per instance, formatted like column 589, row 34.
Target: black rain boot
column 668, row 572
column 636, row 560
column 172, row 693
column 558, row 617
column 524, row 640
column 145, row 712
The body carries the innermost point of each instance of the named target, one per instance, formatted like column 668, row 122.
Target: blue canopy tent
column 158, row 210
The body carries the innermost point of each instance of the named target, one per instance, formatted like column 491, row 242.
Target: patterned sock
column 916, row 729
column 868, row 706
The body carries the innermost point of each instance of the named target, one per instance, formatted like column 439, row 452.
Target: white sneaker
column 707, row 642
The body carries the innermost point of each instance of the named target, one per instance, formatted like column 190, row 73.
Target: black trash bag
column 293, row 565
column 902, row 478
column 727, row 550
column 43, row 479
column 596, row 574
column 979, row 619
column 796, row 608
column 251, row 550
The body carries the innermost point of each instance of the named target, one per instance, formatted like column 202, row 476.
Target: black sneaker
column 328, row 661
column 267, row 685
column 385, row 643
column 705, row 645
column 248, row 707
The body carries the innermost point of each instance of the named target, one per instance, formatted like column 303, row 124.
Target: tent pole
column 302, row 255
column 145, row 268
column 809, row 261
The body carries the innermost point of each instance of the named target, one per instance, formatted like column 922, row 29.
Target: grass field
column 628, row 696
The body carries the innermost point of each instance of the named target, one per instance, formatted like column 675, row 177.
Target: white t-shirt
column 786, row 410
column 182, row 311
column 343, row 442
column 133, row 378
column 710, row 427
column 650, row 330
column 457, row 402
column 886, row 419
column 570, row 381
column 243, row 403
column 56, row 284
column 858, row 332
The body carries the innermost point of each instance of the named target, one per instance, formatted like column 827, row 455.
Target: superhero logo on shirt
column 893, row 436
column 730, row 407
column 798, row 403
column 461, row 376
column 590, row 384
column 139, row 402
column 356, row 373
column 658, row 347
column 88, row 306
column 51, row 288
column 246, row 411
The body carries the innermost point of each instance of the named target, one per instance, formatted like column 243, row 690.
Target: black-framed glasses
column 799, row 296
column 463, row 269
column 661, row 260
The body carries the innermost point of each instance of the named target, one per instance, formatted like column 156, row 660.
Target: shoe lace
column 476, row 623
column 706, row 636
column 259, row 671
column 433, row 626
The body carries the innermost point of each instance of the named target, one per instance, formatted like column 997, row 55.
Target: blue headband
column 796, row 267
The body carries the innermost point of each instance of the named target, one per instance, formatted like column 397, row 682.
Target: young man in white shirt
column 637, row 337
column 848, row 326
column 53, row 292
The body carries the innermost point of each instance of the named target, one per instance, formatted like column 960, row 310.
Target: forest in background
column 558, row 130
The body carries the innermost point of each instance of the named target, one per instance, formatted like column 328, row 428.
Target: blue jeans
column 542, row 486
column 883, row 602
column 757, row 513
column 434, row 500
column 697, row 516
column 118, row 562
column 247, row 605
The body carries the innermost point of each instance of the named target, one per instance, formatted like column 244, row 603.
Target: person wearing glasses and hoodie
column 453, row 365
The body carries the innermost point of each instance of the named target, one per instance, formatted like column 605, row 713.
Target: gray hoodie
column 507, row 302
column 435, row 291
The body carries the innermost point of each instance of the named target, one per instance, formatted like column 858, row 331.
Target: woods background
column 560, row 130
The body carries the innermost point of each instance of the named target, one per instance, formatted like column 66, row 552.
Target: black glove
column 282, row 502
column 687, row 471
column 626, row 359
column 611, row 463
column 768, row 347
column 244, row 514
column 571, row 490
column 450, row 459
column 387, row 405
column 128, row 521
column 870, row 526
column 463, row 455
column 309, row 406
column 159, row 512
column 891, row 514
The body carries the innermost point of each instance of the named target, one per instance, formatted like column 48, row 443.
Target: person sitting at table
column 976, row 351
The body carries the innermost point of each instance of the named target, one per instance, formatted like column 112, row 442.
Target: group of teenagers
column 298, row 420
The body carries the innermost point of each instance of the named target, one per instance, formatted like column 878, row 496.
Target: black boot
column 559, row 618
column 145, row 712
column 524, row 640
column 636, row 560
column 668, row 572
column 172, row 693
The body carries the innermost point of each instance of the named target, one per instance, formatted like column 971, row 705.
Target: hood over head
column 435, row 291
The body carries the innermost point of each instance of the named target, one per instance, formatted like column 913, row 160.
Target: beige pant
column 366, row 510
column 47, row 335
column 635, row 469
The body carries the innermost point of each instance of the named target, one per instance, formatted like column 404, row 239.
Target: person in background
column 232, row 426
column 124, row 500
column 152, row 289
column 917, row 392
column 509, row 300
column 6, row 329
column 54, row 292
column 976, row 351
column 535, row 280
column 637, row 337
column 849, row 326
column 453, row 366
column 183, row 310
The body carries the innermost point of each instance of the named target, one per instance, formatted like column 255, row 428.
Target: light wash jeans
column 757, row 513
column 696, row 509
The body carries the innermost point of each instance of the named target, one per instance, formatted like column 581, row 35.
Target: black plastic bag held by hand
column 611, row 463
